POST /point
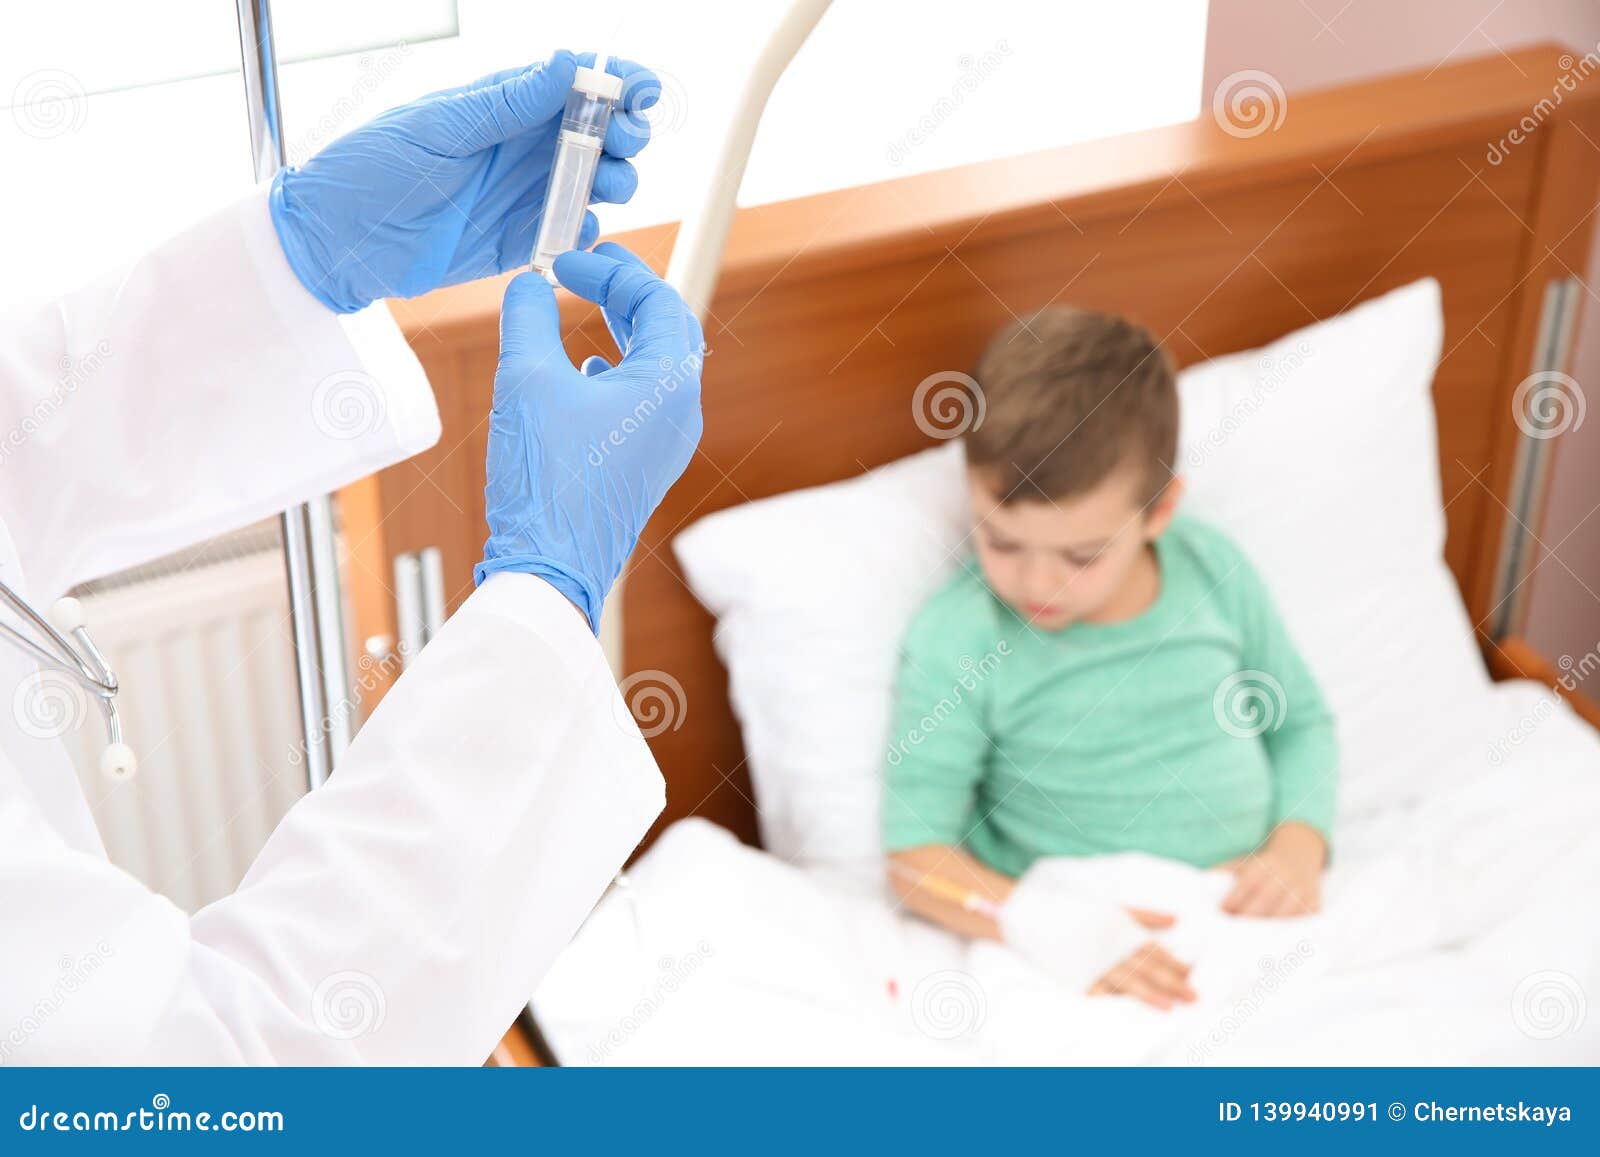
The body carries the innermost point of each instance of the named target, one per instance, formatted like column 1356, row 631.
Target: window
column 121, row 126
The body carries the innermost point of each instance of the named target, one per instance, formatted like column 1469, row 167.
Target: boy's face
column 1056, row 563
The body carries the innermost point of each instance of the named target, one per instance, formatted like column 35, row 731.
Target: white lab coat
column 404, row 912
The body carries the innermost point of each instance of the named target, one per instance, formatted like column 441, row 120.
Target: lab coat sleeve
column 193, row 392
column 401, row 914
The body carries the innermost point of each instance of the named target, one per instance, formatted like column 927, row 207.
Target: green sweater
column 1188, row 731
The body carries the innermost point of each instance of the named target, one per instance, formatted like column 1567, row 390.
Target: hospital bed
column 1437, row 201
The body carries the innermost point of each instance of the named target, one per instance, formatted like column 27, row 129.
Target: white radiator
column 205, row 659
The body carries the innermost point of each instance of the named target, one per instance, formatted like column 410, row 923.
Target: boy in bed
column 1104, row 676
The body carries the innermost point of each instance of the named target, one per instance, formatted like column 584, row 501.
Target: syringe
column 583, row 134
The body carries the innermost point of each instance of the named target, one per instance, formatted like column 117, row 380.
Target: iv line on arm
column 968, row 899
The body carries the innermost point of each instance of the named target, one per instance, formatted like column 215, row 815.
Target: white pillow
column 812, row 591
column 1317, row 453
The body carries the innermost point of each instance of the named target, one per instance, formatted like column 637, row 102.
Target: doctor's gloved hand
column 578, row 461
column 448, row 188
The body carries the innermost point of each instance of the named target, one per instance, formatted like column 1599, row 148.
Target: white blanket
column 1459, row 928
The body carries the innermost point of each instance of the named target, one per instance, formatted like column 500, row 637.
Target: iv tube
column 583, row 133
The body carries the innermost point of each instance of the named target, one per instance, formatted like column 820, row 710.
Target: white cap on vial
column 597, row 81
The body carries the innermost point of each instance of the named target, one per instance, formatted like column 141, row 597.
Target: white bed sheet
column 1459, row 929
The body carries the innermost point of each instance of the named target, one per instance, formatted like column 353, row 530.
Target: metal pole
column 1547, row 381
column 310, row 550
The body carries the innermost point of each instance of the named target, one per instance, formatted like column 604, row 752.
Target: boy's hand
column 1281, row 878
column 1151, row 974
column 1155, row 921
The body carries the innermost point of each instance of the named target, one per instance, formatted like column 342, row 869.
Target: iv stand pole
column 310, row 550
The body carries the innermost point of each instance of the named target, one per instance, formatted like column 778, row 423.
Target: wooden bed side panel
column 1557, row 232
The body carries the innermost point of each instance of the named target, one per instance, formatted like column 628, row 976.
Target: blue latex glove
column 578, row 461
column 448, row 188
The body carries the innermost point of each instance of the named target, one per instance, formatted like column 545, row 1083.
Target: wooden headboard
column 832, row 308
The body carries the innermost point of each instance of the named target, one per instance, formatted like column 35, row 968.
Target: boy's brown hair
column 1071, row 397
